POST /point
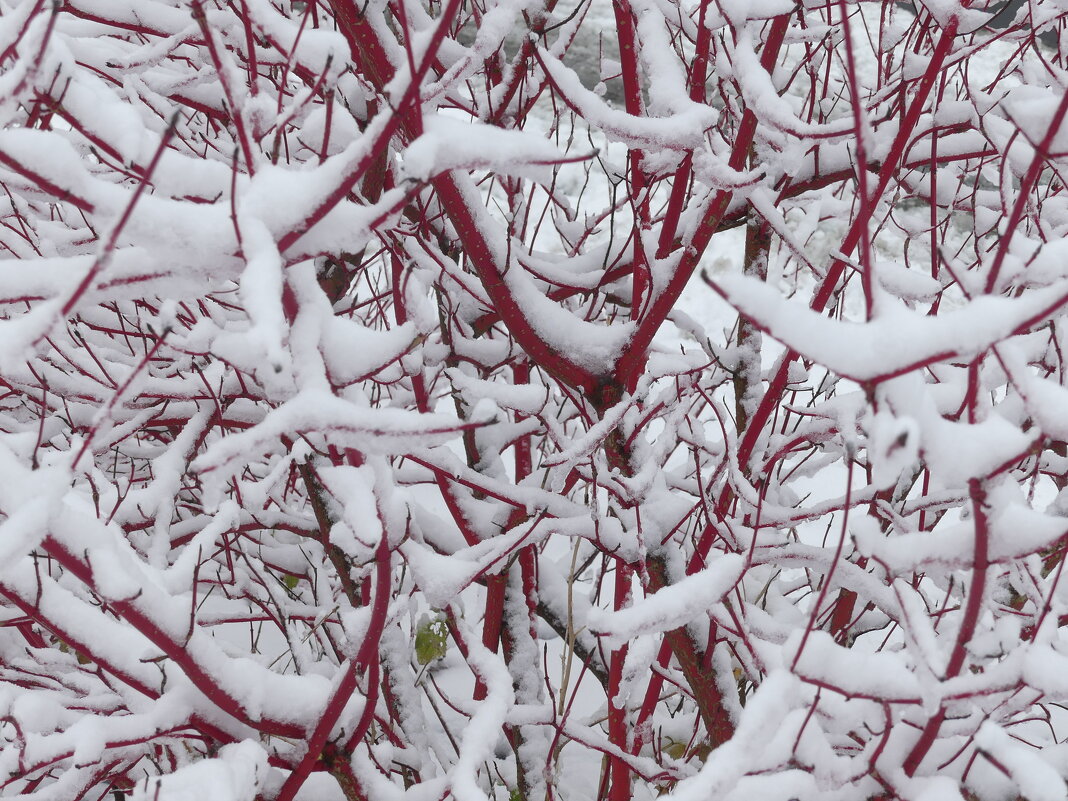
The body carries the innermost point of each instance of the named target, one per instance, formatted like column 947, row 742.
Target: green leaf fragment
column 431, row 640
column 674, row 748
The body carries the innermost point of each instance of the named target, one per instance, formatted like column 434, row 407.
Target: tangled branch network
column 533, row 400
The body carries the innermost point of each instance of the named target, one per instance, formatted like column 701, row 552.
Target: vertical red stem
column 617, row 708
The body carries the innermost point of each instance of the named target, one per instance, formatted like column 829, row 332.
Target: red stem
column 348, row 684
column 632, row 363
column 972, row 610
column 1023, row 196
column 777, row 385
column 632, row 99
column 617, row 711
column 131, row 612
column 496, row 585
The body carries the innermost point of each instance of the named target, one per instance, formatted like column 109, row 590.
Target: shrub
column 391, row 409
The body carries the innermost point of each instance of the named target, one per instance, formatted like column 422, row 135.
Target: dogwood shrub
column 532, row 400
